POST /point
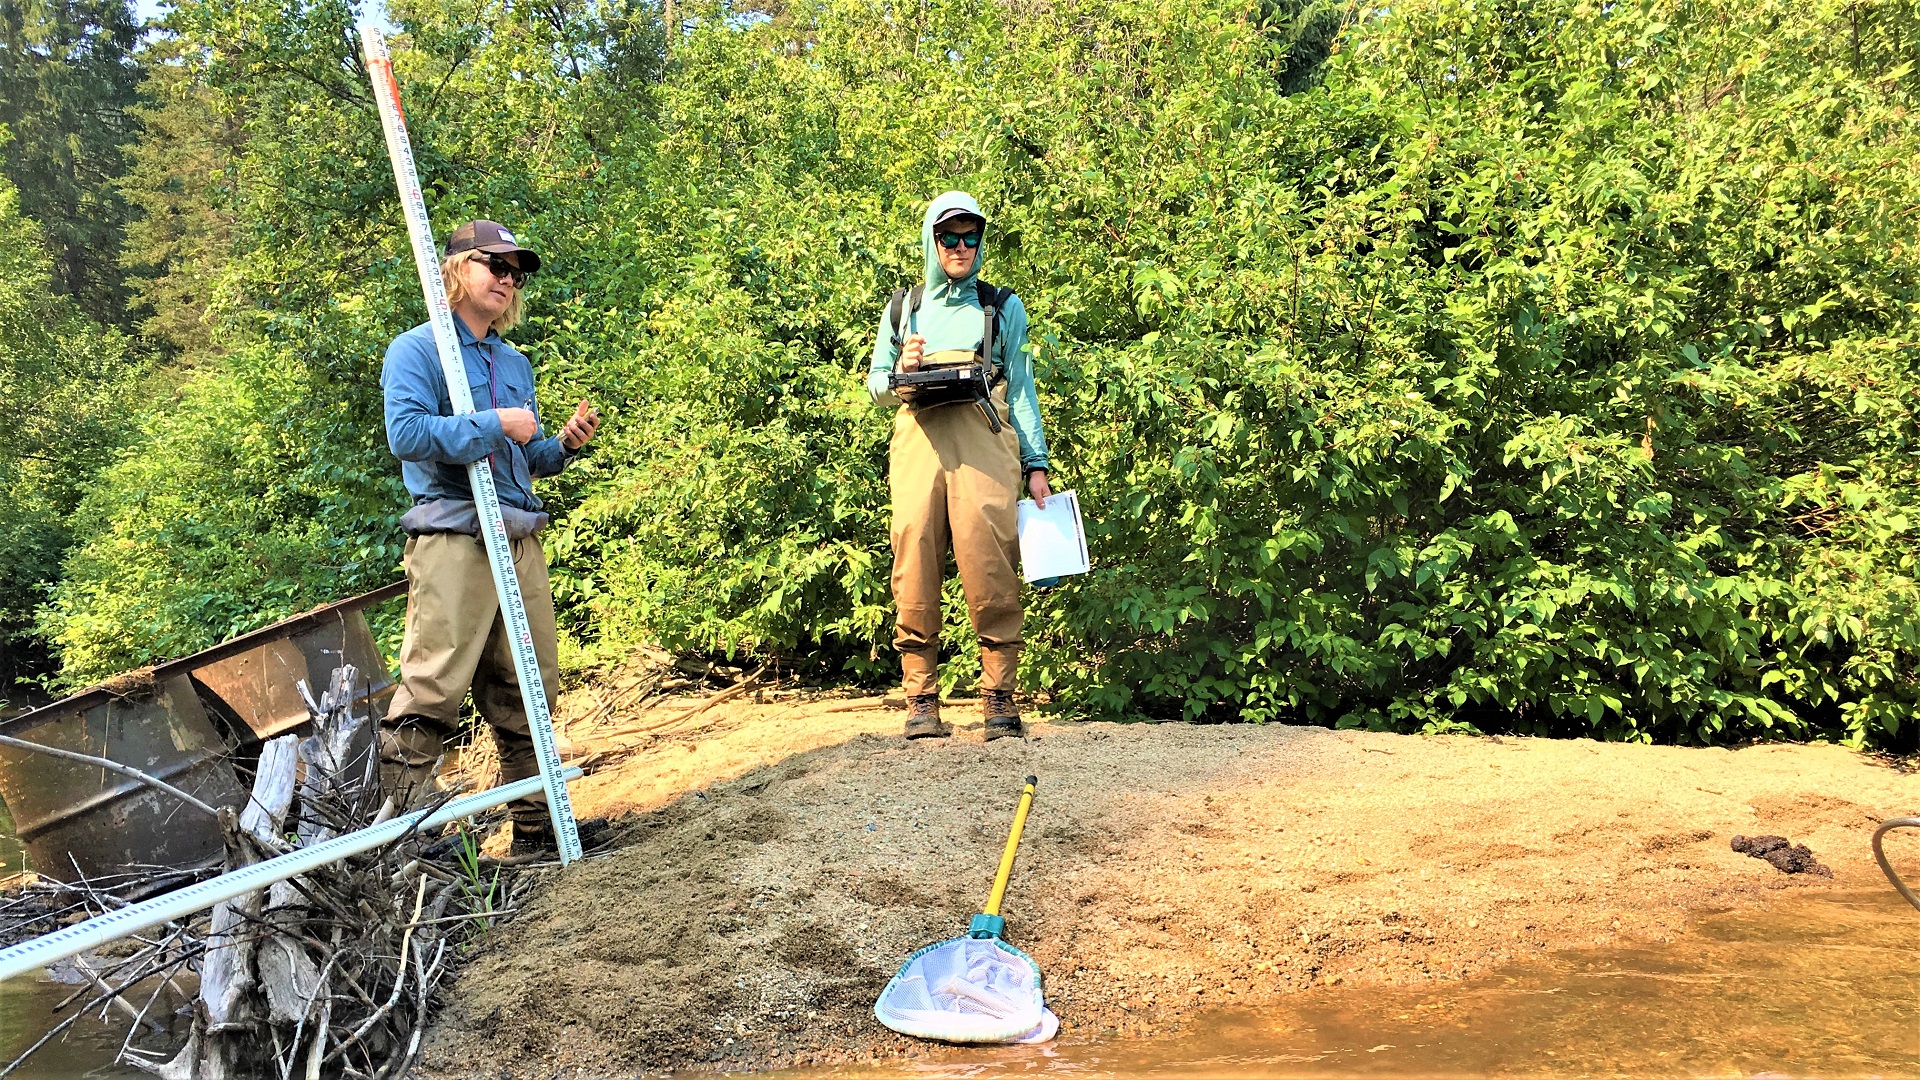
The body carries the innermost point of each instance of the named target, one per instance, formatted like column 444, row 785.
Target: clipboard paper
column 1053, row 542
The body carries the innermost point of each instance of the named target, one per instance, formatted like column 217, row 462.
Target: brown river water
column 1815, row 982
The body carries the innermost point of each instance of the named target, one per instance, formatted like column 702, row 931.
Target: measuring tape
column 493, row 530
column 180, row 903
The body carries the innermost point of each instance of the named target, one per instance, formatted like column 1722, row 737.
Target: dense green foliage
column 1541, row 366
column 64, row 386
column 67, row 80
column 69, row 388
column 180, row 236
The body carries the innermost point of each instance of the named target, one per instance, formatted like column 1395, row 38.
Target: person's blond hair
column 455, row 278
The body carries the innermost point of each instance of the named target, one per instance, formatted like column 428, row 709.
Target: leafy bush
column 66, row 385
column 1584, row 403
column 1540, row 366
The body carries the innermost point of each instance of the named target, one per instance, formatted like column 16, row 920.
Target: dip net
column 968, row 990
column 977, row 988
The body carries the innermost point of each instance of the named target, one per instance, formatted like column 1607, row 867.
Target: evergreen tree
column 67, row 80
column 177, row 185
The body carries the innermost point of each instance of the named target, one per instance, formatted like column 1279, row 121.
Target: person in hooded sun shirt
column 954, row 480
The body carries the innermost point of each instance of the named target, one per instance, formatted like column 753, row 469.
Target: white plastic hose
column 124, row 922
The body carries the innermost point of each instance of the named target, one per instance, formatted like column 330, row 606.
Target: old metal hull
column 81, row 820
column 188, row 722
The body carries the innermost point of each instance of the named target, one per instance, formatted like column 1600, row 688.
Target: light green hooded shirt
column 950, row 317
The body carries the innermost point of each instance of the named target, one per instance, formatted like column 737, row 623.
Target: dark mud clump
column 138, row 683
column 1786, row 857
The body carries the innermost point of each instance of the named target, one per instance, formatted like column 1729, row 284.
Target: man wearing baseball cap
column 455, row 637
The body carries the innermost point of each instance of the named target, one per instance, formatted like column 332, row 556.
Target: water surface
column 1814, row 983
column 13, row 856
column 87, row 1049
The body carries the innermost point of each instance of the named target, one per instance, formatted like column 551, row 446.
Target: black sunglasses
column 953, row 240
column 500, row 267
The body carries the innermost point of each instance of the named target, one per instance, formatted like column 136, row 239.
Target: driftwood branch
column 329, row 974
column 111, row 766
column 678, row 723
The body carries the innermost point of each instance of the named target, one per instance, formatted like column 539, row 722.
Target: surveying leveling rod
column 480, row 473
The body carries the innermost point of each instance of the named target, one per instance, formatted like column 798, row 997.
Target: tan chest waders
column 955, row 482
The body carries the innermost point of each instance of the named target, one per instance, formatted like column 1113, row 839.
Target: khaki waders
column 456, row 640
column 955, row 482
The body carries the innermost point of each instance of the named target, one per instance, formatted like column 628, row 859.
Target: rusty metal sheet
column 77, row 819
column 159, row 673
column 258, row 688
column 181, row 721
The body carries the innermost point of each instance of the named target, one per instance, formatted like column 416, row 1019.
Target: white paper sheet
column 1053, row 542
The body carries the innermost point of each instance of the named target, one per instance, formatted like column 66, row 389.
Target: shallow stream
column 87, row 1049
column 1813, row 983
column 13, row 857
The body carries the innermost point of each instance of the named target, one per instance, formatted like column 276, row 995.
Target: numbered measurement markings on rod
column 486, row 500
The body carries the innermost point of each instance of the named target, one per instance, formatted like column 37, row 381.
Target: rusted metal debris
column 187, row 722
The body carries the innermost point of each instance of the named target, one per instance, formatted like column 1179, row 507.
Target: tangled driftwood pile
column 332, row 973
column 631, row 707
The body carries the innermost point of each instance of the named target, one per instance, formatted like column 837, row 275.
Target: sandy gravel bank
column 775, row 865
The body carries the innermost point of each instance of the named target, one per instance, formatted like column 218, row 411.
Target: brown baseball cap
column 492, row 238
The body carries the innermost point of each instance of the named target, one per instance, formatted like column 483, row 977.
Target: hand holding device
column 579, row 428
column 518, row 424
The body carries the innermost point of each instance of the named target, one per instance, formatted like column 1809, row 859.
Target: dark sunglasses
column 499, row 267
column 953, row 240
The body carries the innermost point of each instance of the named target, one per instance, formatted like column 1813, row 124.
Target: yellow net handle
column 1013, row 844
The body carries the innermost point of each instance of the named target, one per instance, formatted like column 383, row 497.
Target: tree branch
column 111, row 766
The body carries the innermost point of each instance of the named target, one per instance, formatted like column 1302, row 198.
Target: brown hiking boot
column 923, row 717
column 1003, row 716
column 410, row 755
column 531, row 838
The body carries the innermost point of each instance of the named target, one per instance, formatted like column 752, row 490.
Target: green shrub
column 66, row 387
column 1535, row 366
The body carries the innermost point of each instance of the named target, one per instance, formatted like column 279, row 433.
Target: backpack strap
column 900, row 307
column 893, row 314
column 992, row 300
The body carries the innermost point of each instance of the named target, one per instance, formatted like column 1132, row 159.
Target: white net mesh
column 968, row 990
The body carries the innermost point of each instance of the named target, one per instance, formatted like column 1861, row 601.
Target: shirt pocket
column 481, row 396
column 514, row 394
column 510, row 390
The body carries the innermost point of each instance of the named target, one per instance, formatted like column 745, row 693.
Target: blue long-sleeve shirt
column 434, row 446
